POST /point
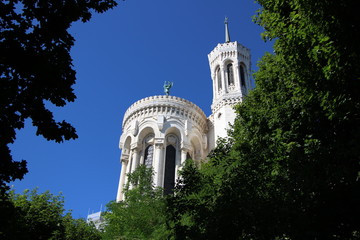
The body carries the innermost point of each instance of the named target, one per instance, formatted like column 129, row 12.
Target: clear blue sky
column 121, row 56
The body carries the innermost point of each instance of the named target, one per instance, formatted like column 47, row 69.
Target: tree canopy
column 36, row 70
column 291, row 167
column 41, row 216
column 141, row 215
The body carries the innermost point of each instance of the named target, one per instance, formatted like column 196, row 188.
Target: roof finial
column 227, row 34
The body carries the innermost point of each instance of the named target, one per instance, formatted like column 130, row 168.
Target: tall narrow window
column 169, row 179
column 242, row 75
column 218, row 78
column 149, row 155
column 230, row 74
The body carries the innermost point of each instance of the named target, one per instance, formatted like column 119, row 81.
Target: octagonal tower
column 230, row 72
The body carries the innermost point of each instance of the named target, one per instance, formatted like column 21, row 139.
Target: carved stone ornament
column 188, row 127
column 159, row 142
column 134, row 147
column 205, row 141
column 185, row 146
column 135, row 128
column 161, row 106
column 149, row 139
column 171, row 140
column 124, row 158
column 160, row 121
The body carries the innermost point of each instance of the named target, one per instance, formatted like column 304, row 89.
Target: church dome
column 162, row 132
column 163, row 105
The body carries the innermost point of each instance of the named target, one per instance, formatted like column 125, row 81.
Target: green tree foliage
column 185, row 202
column 36, row 69
column 142, row 214
column 79, row 229
column 41, row 216
column 190, row 209
column 292, row 169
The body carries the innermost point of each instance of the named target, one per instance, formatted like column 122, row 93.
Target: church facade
column 163, row 131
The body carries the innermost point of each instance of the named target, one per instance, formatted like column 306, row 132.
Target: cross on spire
column 227, row 34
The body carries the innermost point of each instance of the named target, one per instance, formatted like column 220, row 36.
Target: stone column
column 247, row 72
column 130, row 162
column 135, row 156
column 184, row 152
column 141, row 161
column 124, row 162
column 128, row 167
column 184, row 148
column 159, row 162
column 223, row 79
column 215, row 91
column 183, row 155
column 237, row 75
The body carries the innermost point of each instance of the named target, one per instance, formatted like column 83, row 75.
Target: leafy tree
column 190, row 209
column 41, row 216
column 142, row 214
column 79, row 229
column 36, row 69
column 307, row 116
column 292, row 168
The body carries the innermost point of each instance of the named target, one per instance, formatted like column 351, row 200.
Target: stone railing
column 231, row 49
column 167, row 106
column 229, row 100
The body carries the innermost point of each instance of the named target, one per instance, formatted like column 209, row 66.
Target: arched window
column 242, row 75
column 218, row 78
column 230, row 74
column 149, row 152
column 169, row 179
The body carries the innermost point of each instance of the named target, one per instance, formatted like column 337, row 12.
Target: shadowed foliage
column 41, row 216
column 291, row 167
column 141, row 215
column 36, row 70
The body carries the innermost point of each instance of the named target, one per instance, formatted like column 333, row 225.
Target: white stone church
column 163, row 131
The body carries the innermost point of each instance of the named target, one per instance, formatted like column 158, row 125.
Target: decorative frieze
column 229, row 50
column 165, row 106
column 225, row 101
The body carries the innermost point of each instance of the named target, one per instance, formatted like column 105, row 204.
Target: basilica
column 163, row 131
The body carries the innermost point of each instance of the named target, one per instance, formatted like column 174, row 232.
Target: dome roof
column 167, row 106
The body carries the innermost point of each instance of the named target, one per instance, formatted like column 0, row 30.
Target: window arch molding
column 229, row 73
column 195, row 141
column 125, row 146
column 197, row 150
column 148, row 150
column 175, row 128
column 218, row 78
column 146, row 138
column 243, row 74
column 172, row 139
column 172, row 151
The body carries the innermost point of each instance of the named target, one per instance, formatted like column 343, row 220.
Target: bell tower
column 230, row 72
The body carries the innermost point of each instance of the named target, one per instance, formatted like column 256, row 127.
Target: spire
column 227, row 34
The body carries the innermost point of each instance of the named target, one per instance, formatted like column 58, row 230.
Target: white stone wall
column 226, row 93
column 222, row 120
column 160, row 121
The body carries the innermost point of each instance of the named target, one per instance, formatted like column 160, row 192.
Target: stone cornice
column 228, row 50
column 167, row 106
column 225, row 101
